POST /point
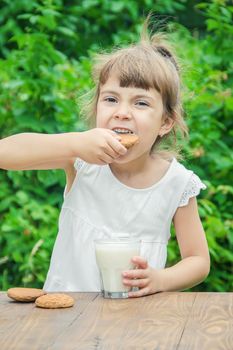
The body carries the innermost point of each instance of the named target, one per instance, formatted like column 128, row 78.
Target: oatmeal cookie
column 25, row 294
column 128, row 140
column 55, row 301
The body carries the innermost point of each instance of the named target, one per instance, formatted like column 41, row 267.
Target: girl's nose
column 122, row 114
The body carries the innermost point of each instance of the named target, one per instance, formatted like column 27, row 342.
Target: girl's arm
column 190, row 271
column 29, row 151
column 195, row 264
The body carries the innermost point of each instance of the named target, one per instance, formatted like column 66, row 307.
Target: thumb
column 140, row 262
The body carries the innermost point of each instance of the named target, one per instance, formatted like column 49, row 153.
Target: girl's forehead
column 112, row 85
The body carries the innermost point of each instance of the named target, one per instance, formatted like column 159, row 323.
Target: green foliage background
column 45, row 59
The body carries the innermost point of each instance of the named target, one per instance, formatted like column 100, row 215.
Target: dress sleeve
column 78, row 164
column 192, row 189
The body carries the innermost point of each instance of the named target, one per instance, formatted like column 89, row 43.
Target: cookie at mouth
column 128, row 140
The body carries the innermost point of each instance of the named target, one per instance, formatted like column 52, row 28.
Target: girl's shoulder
column 192, row 183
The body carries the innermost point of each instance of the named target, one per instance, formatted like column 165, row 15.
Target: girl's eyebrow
column 143, row 96
column 109, row 92
column 116, row 93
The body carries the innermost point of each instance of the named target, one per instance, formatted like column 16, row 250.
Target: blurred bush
column 46, row 49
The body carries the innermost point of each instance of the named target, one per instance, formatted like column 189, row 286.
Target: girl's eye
column 110, row 99
column 142, row 103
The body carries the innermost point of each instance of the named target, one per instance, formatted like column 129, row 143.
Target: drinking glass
column 113, row 256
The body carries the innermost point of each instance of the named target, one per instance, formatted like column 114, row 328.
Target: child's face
column 133, row 109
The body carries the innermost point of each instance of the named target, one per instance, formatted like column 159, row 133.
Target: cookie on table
column 55, row 301
column 25, row 294
column 128, row 140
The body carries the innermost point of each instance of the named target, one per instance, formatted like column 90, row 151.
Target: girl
column 110, row 189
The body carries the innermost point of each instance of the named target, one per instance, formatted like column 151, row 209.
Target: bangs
column 133, row 69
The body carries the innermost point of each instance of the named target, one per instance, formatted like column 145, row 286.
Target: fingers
column 135, row 274
column 100, row 146
column 139, row 278
column 108, row 156
column 117, row 147
column 140, row 272
column 141, row 282
column 140, row 262
column 113, row 148
column 135, row 278
column 115, row 151
column 140, row 293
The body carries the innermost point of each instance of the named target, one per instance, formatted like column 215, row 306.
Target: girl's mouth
column 123, row 131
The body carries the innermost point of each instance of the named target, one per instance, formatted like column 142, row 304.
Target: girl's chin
column 130, row 157
column 126, row 158
column 122, row 159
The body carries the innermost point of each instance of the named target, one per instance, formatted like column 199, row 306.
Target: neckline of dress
column 157, row 183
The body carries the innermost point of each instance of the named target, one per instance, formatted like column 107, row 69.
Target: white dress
column 99, row 206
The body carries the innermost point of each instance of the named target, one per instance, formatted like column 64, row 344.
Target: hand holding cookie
column 97, row 146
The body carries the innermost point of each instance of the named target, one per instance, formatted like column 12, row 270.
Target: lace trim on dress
column 192, row 189
column 78, row 164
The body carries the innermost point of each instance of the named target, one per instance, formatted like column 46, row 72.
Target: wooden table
column 164, row 321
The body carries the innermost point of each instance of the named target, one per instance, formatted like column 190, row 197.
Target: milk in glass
column 113, row 257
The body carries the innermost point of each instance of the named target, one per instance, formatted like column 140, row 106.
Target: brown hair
column 150, row 63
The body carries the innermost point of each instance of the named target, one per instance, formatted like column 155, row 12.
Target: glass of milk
column 113, row 256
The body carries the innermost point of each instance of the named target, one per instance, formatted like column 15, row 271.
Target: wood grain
column 24, row 326
column 102, row 326
column 160, row 322
column 164, row 321
column 130, row 324
column 211, row 321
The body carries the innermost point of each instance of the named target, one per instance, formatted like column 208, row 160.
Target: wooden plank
column 152, row 322
column 24, row 326
column 160, row 323
column 210, row 325
column 165, row 321
column 100, row 327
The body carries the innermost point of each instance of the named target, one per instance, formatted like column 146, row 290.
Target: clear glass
column 114, row 256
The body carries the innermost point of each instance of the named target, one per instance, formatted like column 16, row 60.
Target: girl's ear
column 166, row 127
